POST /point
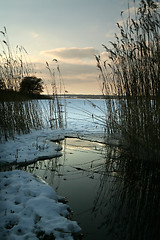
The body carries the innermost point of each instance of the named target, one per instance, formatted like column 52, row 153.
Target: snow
column 85, row 115
column 40, row 144
column 30, row 208
column 31, row 147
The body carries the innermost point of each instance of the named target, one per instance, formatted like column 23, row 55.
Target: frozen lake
column 80, row 114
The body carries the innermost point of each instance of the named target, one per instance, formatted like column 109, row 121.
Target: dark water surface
column 113, row 196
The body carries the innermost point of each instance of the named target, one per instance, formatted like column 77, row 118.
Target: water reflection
column 112, row 195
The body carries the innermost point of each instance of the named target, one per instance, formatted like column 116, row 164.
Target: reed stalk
column 134, row 58
column 132, row 73
column 58, row 102
column 14, row 64
column 20, row 115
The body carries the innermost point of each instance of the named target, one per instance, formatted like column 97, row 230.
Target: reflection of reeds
column 128, row 197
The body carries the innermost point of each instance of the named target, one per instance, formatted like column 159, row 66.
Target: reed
column 19, row 117
column 132, row 73
column 132, row 67
column 19, row 114
column 57, row 104
column 14, row 64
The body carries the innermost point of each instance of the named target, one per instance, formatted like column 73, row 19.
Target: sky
column 71, row 31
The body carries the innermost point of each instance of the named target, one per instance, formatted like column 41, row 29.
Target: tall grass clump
column 57, row 103
column 131, row 73
column 19, row 112
column 14, row 64
column 19, row 117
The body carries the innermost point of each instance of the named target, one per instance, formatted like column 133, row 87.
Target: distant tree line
column 29, row 87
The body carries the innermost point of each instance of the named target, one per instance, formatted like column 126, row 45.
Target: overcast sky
column 72, row 31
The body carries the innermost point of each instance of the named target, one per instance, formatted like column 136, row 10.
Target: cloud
column 77, row 67
column 77, row 78
column 68, row 71
column 35, row 35
column 72, row 55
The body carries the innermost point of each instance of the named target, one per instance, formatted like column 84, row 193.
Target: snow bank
column 40, row 144
column 31, row 147
column 29, row 209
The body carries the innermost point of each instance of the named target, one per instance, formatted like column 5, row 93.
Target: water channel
column 112, row 197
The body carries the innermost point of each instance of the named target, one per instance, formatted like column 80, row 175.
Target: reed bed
column 14, row 64
column 132, row 74
column 57, row 103
column 19, row 117
column 19, row 114
column 132, row 67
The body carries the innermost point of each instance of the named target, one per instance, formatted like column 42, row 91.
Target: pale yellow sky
column 71, row 31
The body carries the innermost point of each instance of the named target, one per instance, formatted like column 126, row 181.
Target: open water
column 112, row 197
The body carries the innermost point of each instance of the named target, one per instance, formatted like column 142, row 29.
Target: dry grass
column 133, row 74
column 14, row 64
column 132, row 67
column 21, row 116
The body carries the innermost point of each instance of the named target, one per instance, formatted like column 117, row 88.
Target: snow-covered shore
column 31, row 147
column 40, row 145
column 31, row 209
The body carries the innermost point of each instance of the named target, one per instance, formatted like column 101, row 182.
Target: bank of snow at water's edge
column 30, row 209
column 40, row 145
column 31, row 147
